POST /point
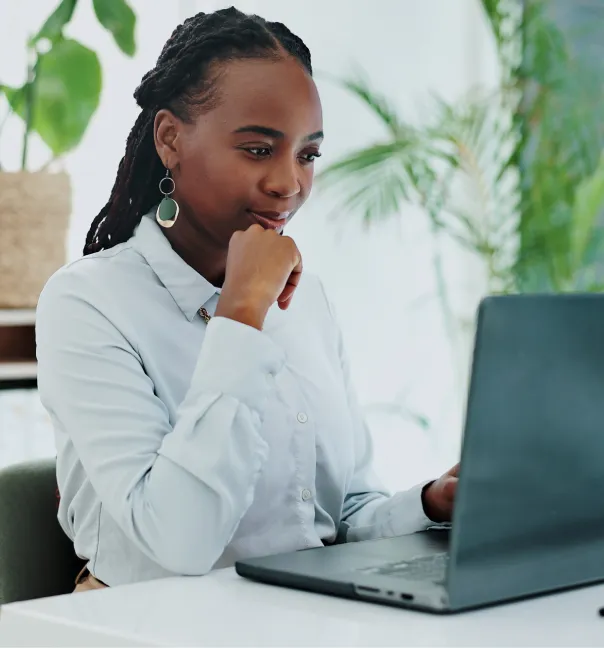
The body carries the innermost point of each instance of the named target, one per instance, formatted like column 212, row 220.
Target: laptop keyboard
column 427, row 568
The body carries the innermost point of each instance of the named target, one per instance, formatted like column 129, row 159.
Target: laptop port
column 372, row 590
column 407, row 597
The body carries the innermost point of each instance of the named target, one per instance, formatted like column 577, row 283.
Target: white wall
column 382, row 281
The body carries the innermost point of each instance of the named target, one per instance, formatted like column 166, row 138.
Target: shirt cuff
column 407, row 513
column 237, row 359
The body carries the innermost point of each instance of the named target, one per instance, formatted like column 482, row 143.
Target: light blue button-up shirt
column 183, row 446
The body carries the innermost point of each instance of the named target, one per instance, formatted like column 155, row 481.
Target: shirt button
column 306, row 494
column 302, row 418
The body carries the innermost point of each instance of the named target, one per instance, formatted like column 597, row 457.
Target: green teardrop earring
column 167, row 210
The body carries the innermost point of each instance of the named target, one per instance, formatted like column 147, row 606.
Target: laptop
column 529, row 512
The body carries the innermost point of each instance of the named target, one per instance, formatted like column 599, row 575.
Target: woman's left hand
column 439, row 496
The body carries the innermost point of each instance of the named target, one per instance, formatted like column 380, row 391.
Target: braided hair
column 182, row 81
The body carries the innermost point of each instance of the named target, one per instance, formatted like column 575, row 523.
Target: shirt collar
column 188, row 288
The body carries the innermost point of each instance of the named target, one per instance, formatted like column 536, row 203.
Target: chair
column 36, row 557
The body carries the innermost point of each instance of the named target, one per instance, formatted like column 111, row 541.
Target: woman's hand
column 438, row 497
column 262, row 268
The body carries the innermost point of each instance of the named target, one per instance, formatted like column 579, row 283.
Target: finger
column 296, row 273
column 284, row 305
column 286, row 295
column 293, row 280
column 450, row 488
column 454, row 472
column 296, row 256
column 289, row 288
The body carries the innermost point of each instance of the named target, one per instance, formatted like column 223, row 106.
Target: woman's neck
column 198, row 250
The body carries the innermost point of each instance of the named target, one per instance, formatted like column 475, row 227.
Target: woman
column 195, row 422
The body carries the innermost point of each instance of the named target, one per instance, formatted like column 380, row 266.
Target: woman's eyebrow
column 273, row 132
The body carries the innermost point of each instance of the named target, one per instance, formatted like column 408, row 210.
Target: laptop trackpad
column 373, row 553
column 350, row 557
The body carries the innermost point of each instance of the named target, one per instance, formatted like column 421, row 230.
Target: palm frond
column 373, row 183
column 496, row 17
column 482, row 217
column 359, row 86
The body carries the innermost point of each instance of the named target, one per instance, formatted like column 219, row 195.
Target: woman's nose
column 282, row 181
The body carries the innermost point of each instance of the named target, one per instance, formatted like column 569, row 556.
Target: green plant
column 528, row 157
column 63, row 83
column 559, row 150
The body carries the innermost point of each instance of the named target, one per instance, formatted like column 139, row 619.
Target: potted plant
column 60, row 94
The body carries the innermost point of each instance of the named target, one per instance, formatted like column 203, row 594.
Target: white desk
column 222, row 609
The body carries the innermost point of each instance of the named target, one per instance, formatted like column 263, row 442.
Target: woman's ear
column 166, row 132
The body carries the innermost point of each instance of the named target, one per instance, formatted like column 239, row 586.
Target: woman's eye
column 259, row 151
column 262, row 152
column 311, row 157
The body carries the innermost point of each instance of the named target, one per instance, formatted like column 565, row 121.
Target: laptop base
column 338, row 570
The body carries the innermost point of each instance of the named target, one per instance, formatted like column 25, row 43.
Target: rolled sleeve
column 406, row 512
column 230, row 345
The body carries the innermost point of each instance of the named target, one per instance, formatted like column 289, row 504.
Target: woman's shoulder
column 99, row 266
column 109, row 278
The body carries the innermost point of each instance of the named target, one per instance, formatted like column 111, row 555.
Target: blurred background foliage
column 515, row 175
column 63, row 80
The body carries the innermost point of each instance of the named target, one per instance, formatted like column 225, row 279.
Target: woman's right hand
column 262, row 268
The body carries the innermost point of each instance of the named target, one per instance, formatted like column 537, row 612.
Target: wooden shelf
column 17, row 317
column 18, row 370
column 18, row 367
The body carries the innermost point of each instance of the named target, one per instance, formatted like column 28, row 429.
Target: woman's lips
column 274, row 222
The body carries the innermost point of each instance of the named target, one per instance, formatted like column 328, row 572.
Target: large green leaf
column 588, row 205
column 14, row 96
column 53, row 27
column 66, row 95
column 117, row 17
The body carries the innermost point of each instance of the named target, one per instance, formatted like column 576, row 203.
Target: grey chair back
column 36, row 557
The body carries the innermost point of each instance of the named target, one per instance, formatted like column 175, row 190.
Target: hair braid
column 182, row 81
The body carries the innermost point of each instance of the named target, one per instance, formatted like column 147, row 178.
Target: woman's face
column 249, row 159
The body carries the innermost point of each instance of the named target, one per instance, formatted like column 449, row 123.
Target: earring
column 167, row 210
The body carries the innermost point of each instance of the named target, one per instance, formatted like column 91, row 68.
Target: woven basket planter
column 34, row 218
